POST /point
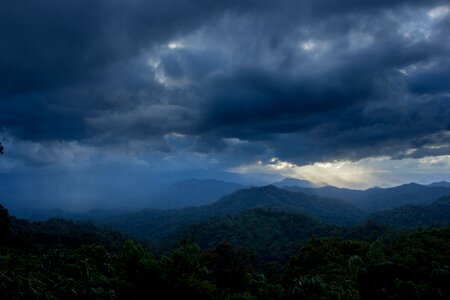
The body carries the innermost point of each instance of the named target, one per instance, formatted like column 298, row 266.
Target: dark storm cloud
column 52, row 52
column 355, row 104
column 303, row 81
column 50, row 43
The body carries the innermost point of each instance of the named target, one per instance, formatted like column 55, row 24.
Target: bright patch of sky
column 175, row 45
column 438, row 12
column 366, row 173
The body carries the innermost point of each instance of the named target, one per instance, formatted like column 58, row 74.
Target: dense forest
column 435, row 213
column 272, row 234
column 59, row 259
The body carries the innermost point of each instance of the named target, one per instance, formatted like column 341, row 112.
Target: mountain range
column 377, row 199
column 194, row 200
column 154, row 224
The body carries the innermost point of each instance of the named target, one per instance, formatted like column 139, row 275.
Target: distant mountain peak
column 442, row 183
column 289, row 181
column 376, row 187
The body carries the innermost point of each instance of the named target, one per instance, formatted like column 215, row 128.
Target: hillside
column 436, row 213
column 154, row 225
column 55, row 233
column 272, row 234
column 330, row 210
column 62, row 233
column 441, row 184
column 378, row 199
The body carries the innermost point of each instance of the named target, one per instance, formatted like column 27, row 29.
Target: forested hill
column 377, row 199
column 56, row 233
column 330, row 210
column 392, row 266
column 155, row 225
column 436, row 213
column 272, row 234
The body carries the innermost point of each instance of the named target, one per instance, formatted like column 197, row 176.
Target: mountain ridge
column 154, row 224
column 372, row 200
column 407, row 216
column 442, row 183
column 289, row 181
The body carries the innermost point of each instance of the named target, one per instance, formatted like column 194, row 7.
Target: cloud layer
column 235, row 81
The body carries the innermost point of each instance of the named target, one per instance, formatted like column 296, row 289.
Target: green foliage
column 274, row 235
column 412, row 265
column 61, row 233
column 409, row 216
column 378, row 265
column 230, row 268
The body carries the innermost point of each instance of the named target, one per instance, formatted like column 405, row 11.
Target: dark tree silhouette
column 4, row 224
column 1, row 148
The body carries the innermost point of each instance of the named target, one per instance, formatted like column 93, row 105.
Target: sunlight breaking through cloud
column 365, row 173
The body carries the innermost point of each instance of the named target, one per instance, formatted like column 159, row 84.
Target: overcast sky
column 352, row 93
